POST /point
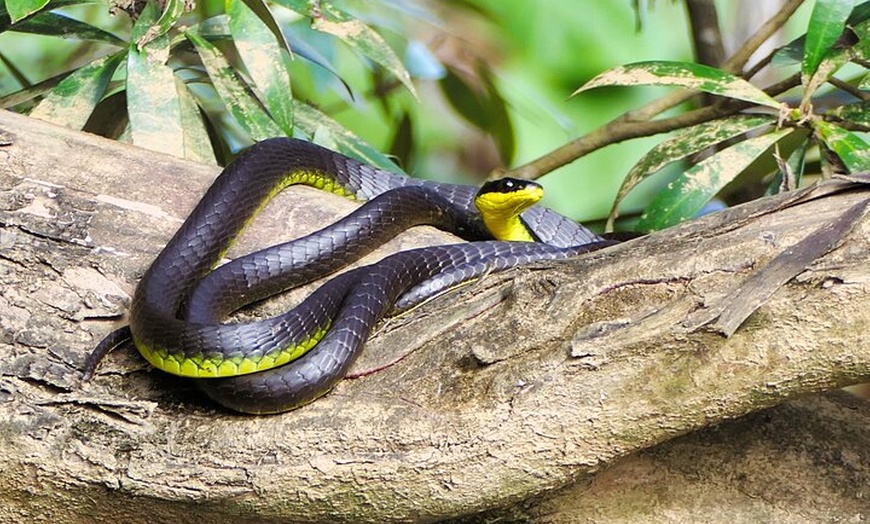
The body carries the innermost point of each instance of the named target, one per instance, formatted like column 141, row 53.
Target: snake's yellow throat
column 500, row 203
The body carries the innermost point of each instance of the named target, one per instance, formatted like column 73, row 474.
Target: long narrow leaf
column 859, row 14
column 685, row 196
column 857, row 112
column 60, row 25
column 152, row 102
column 29, row 93
column 683, row 74
column 315, row 123
column 302, row 47
column 370, row 44
column 72, row 101
column 266, row 61
column 6, row 18
column 826, row 25
column 852, row 150
column 172, row 12
column 861, row 49
column 464, row 98
column 360, row 37
column 51, row 4
column 197, row 146
column 684, row 144
column 793, row 52
column 20, row 9
column 236, row 96
column 265, row 15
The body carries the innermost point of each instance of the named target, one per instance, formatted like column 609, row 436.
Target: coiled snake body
column 284, row 362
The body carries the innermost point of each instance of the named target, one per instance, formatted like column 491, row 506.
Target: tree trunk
column 509, row 396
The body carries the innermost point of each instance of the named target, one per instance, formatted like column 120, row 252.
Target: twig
column 849, row 88
column 624, row 128
column 637, row 123
column 767, row 29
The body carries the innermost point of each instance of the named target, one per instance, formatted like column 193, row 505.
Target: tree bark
column 523, row 386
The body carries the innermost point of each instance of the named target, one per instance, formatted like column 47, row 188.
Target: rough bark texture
column 508, row 397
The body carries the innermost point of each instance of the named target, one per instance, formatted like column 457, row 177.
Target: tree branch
column 706, row 34
column 738, row 60
column 519, row 384
column 769, row 466
column 636, row 123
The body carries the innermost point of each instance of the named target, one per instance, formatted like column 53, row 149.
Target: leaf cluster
column 749, row 134
column 204, row 81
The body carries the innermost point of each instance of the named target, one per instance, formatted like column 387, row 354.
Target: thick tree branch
column 769, row 466
column 706, row 33
column 520, row 384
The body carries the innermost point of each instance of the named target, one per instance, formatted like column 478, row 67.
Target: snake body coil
column 177, row 308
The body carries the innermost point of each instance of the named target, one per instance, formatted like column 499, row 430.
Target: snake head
column 500, row 203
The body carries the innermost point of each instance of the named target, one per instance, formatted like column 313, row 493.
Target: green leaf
column 402, row 147
column 836, row 57
column 261, row 9
column 360, row 37
column 685, row 196
column 849, row 147
column 793, row 52
column 235, row 94
column 266, row 61
column 6, row 20
column 197, row 146
column 465, row 99
column 861, row 48
column 60, row 25
column 72, row 101
column 856, row 113
column 301, row 44
column 303, row 7
column 827, row 22
column 171, row 14
column 859, row 14
column 147, row 18
column 832, row 63
column 683, row 74
column 481, row 105
column 368, row 43
column 317, row 124
column 29, row 93
column 789, row 54
column 19, row 9
column 684, row 144
column 152, row 102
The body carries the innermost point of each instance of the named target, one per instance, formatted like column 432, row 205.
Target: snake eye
column 507, row 185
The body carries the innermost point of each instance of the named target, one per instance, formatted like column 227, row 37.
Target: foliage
column 206, row 82
column 750, row 125
column 202, row 85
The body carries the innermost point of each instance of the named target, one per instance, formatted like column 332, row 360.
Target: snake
column 176, row 318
